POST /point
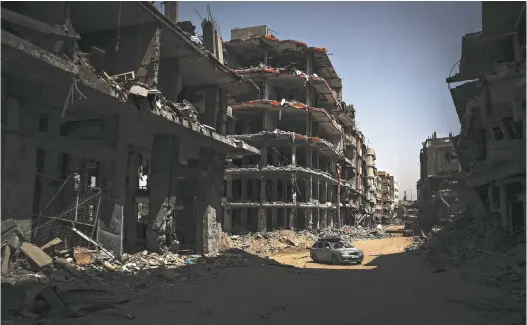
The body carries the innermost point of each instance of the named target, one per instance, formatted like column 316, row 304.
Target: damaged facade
column 491, row 108
column 95, row 96
column 387, row 188
column 440, row 178
column 311, row 152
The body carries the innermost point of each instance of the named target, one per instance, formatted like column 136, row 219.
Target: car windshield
column 342, row 245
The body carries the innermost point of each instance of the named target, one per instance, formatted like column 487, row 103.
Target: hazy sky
column 393, row 58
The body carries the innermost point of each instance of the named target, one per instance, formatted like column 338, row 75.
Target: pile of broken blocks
column 29, row 280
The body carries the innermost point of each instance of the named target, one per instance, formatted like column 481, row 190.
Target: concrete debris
column 280, row 241
column 480, row 249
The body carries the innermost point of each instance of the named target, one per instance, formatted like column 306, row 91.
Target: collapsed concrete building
column 386, row 190
column 371, row 181
column 491, row 108
column 440, row 177
column 306, row 175
column 96, row 95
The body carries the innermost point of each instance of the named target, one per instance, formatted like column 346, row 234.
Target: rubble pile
column 350, row 233
column 270, row 242
column 482, row 251
column 279, row 241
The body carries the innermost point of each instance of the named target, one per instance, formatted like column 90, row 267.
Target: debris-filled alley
column 154, row 172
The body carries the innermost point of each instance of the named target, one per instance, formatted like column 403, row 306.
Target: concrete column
column 329, row 220
column 339, row 177
column 274, row 211
column 148, row 71
column 211, row 168
column 292, row 216
column 309, row 189
column 262, row 212
column 209, row 36
column 162, row 186
column 224, row 120
column 269, row 120
column 325, row 198
column 266, row 90
column 227, row 211
column 211, row 106
column 130, row 205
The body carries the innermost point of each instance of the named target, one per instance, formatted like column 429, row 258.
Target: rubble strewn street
column 154, row 172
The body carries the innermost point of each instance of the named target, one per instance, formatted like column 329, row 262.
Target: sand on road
column 392, row 287
column 371, row 248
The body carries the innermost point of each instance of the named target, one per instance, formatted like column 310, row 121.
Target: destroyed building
column 96, row 95
column 440, row 176
column 386, row 189
column 491, row 108
column 371, row 181
column 305, row 176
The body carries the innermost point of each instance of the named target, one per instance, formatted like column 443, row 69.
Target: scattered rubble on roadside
column 481, row 250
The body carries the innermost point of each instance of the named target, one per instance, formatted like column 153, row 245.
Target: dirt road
column 372, row 249
column 392, row 287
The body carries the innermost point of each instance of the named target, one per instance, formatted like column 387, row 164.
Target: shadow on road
column 240, row 288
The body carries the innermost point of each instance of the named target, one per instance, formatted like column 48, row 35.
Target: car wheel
column 314, row 257
column 359, row 262
column 334, row 260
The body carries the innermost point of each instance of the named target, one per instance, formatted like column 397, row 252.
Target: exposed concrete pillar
column 262, row 212
column 329, row 220
column 211, row 106
column 172, row 10
column 319, row 201
column 211, row 168
column 309, row 189
column 227, row 211
column 269, row 120
column 293, row 214
column 162, row 186
column 339, row 179
column 309, row 90
column 266, row 58
column 209, row 36
column 266, row 89
column 170, row 78
column 130, row 205
column 325, row 198
column 315, row 129
column 244, row 196
column 274, row 189
column 224, row 119
column 148, row 71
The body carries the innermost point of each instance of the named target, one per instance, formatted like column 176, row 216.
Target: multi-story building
column 395, row 193
column 371, row 181
column 306, row 174
column 491, row 109
column 92, row 93
column 440, row 174
column 386, row 189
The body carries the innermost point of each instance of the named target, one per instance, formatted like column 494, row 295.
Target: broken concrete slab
column 54, row 242
column 36, row 255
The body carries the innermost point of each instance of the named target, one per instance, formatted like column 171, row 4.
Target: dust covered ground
column 391, row 287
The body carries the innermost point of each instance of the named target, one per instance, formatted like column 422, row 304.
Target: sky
column 393, row 58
